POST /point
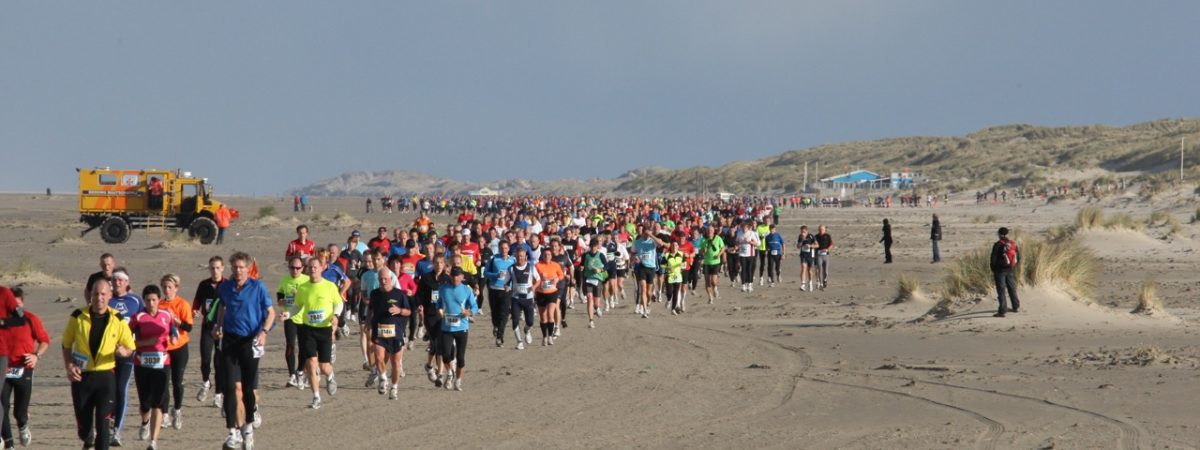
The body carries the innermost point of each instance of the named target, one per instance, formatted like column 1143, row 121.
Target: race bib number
column 316, row 317
column 80, row 359
column 774, row 252
column 523, row 289
column 646, row 256
column 547, row 285
column 289, row 301
column 387, row 331
column 208, row 303
column 502, row 276
column 593, row 281
column 454, row 320
column 675, row 278
column 153, row 360
column 822, row 252
column 14, row 373
column 436, row 295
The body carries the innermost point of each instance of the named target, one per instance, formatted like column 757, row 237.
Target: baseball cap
column 355, row 233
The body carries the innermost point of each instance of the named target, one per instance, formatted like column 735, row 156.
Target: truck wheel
column 203, row 229
column 114, row 230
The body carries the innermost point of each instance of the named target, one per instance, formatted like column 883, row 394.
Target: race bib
column 502, row 276
column 208, row 303
column 675, row 278
column 289, row 301
column 547, row 285
column 316, row 317
column 436, row 295
column 822, row 252
column 522, row 289
column 153, row 360
column 646, row 256
column 387, row 330
column 15, row 372
column 454, row 320
column 80, row 359
column 774, row 252
column 593, row 281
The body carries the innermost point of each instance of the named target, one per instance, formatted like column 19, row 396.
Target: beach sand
column 776, row 368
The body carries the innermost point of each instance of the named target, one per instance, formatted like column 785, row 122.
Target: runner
column 318, row 303
column 390, row 310
column 456, row 304
column 29, row 342
column 181, row 314
column 521, row 300
column 774, row 244
column 645, row 257
column 824, row 247
column 547, row 275
column 285, row 298
column 673, row 263
column 204, row 305
column 107, row 264
column 155, row 330
column 807, row 244
column 747, row 245
column 427, row 297
column 499, row 285
column 127, row 305
column 90, row 359
column 595, row 275
column 244, row 317
column 712, row 251
column 559, row 256
column 369, row 281
column 301, row 247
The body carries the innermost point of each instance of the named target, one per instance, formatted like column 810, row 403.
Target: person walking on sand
column 887, row 242
column 824, row 247
column 935, row 235
column 1004, row 259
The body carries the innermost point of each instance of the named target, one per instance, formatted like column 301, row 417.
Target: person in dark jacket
column 1004, row 260
column 935, row 235
column 887, row 242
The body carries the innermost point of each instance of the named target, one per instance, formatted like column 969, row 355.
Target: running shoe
column 331, row 385
column 166, row 421
column 802, row 288
column 675, row 312
column 599, row 312
column 448, row 383
column 177, row 419
column 761, row 281
column 402, row 374
column 520, row 345
column 410, row 345
column 144, row 431
column 316, row 403
column 153, row 445
column 420, row 333
column 499, row 342
column 551, row 339
column 750, row 288
column 248, row 437
column 371, row 379
column 292, row 380
column 303, row 381
column 528, row 336
column 383, row 385
column 26, row 436
column 203, row 394
column 591, row 324
column 115, row 441
column 367, row 366
column 218, row 400
column 545, row 341
column 234, row 441
column 429, row 370
column 395, row 392
column 557, row 331
column 257, row 422
column 458, row 384
column 716, row 292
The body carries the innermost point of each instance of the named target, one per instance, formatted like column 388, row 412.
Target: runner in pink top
column 154, row 328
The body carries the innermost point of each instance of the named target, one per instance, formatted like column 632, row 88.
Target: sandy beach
column 775, row 368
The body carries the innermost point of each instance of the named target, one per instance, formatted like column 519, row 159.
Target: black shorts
column 390, row 345
column 646, row 274
column 545, row 299
column 316, row 342
column 589, row 289
column 806, row 258
column 620, row 273
column 714, row 269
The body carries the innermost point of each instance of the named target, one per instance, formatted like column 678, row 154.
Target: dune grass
column 1148, row 301
column 1063, row 262
column 1089, row 218
column 266, row 211
column 908, row 287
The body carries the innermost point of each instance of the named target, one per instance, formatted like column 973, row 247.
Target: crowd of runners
column 530, row 263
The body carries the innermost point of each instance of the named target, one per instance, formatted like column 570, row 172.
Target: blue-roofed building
column 856, row 179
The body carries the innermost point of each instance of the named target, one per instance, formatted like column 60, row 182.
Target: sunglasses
column 297, row 267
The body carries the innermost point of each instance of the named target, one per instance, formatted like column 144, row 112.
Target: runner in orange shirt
column 549, row 273
column 181, row 312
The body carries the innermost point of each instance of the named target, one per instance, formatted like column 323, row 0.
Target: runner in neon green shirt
column 286, row 297
column 712, row 251
column 763, row 230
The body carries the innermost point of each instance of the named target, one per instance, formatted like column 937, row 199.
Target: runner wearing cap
column 285, row 298
column 456, row 303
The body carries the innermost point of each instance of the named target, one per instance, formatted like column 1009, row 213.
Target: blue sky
column 267, row 95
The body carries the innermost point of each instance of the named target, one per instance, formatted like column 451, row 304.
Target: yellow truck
column 118, row 201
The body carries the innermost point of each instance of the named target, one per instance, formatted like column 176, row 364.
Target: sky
column 264, row 96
